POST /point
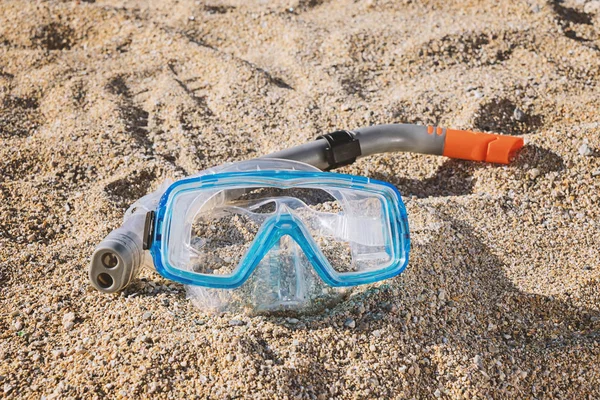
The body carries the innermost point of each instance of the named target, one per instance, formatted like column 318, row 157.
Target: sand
column 101, row 101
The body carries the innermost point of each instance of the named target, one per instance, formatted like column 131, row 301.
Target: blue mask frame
column 283, row 224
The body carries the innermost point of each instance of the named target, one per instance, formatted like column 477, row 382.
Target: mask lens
column 348, row 226
column 219, row 238
column 349, row 232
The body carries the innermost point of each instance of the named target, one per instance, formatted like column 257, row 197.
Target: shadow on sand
column 454, row 313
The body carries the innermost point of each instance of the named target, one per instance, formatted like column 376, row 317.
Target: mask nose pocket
column 283, row 276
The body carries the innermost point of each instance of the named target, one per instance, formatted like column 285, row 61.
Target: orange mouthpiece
column 479, row 146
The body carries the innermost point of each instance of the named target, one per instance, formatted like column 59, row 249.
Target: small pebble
column 153, row 387
column 592, row 7
column 147, row 315
column 442, row 295
column 350, row 323
column 534, row 173
column 68, row 321
column 414, row 370
column 519, row 115
column 585, row 150
column 58, row 353
column 236, row 322
column 18, row 325
column 368, row 4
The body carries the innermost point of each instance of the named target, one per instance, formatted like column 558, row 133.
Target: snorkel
column 118, row 259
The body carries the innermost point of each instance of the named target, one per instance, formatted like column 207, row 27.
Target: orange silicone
column 479, row 146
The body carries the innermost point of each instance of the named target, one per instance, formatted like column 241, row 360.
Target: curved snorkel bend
column 119, row 257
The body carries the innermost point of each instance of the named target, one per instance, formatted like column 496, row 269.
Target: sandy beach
column 101, row 101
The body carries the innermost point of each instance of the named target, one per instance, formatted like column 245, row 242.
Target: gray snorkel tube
column 340, row 148
column 119, row 257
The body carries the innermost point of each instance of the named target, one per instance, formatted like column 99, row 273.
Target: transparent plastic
column 277, row 235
